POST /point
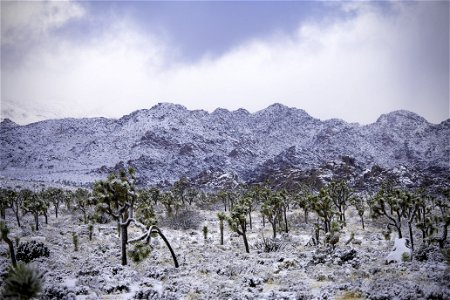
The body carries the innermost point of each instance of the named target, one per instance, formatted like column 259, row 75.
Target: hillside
column 168, row 141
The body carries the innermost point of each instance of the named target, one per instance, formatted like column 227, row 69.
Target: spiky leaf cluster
column 23, row 282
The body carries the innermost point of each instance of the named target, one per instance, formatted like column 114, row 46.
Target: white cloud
column 354, row 69
column 25, row 21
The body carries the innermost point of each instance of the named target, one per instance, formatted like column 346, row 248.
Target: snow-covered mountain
column 168, row 141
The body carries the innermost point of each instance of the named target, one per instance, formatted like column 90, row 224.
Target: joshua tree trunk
column 250, row 218
column 11, row 250
column 221, row 232
column 274, row 228
column 17, row 218
column 244, row 236
column 175, row 261
column 124, row 243
column 411, row 238
column 264, row 221
column 36, row 220
column 285, row 220
column 399, row 230
column 46, row 218
column 306, row 216
column 362, row 221
column 443, row 238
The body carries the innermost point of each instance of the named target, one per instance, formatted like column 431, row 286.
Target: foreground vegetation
column 118, row 200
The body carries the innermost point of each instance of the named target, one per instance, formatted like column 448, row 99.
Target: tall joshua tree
column 4, row 202
column 55, row 196
column 82, row 202
column 114, row 197
column 33, row 203
column 222, row 217
column 237, row 221
column 322, row 205
column 10, row 198
column 271, row 209
column 340, row 193
column 4, row 231
column 390, row 203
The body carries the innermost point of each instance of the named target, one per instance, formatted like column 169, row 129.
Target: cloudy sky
column 347, row 60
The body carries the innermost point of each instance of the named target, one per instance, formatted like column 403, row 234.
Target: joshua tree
column 302, row 200
column 4, row 202
column 360, row 207
column 16, row 204
column 169, row 202
column 410, row 207
column 114, row 196
column 75, row 241
column 224, row 196
column 340, row 194
column 55, row 196
column 34, row 204
column 155, row 195
column 67, row 199
column 144, row 208
column 222, row 217
column 91, row 230
column 82, row 202
column 10, row 198
column 443, row 220
column 271, row 208
column 249, row 197
column 391, row 203
column 191, row 194
column 179, row 188
column 322, row 205
column 22, row 282
column 286, row 201
column 4, row 231
column 237, row 221
column 205, row 232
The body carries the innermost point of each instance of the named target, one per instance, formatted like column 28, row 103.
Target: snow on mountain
column 168, row 141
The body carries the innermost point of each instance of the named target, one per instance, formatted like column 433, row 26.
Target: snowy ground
column 211, row 271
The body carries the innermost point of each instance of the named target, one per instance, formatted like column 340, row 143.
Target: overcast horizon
column 348, row 60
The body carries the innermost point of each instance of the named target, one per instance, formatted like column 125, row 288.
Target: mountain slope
column 169, row 141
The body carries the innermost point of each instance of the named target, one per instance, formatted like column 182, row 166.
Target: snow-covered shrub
column 57, row 293
column 185, row 220
column 29, row 251
column 269, row 245
column 140, row 252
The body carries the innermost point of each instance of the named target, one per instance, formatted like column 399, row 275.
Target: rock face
column 168, row 141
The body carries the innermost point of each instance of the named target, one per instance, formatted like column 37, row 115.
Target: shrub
column 23, row 282
column 140, row 252
column 185, row 220
column 29, row 251
column 270, row 245
column 405, row 257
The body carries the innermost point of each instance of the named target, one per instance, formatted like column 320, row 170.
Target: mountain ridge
column 168, row 141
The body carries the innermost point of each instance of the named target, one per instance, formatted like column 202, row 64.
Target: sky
column 348, row 60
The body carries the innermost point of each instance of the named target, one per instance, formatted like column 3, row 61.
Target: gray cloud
column 353, row 68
